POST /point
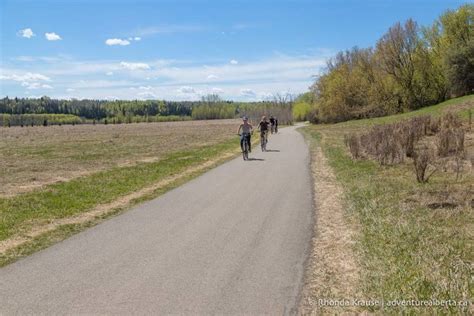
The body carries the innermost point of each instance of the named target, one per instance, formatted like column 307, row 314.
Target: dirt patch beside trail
column 332, row 272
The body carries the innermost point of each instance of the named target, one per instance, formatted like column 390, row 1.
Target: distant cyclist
column 245, row 130
column 263, row 128
column 272, row 124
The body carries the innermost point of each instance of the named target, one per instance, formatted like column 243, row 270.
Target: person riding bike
column 263, row 128
column 247, row 130
column 272, row 123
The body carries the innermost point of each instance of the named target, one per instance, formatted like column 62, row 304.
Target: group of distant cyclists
column 264, row 127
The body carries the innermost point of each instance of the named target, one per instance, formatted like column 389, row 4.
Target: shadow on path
column 255, row 159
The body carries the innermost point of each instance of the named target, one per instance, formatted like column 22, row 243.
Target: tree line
column 95, row 109
column 410, row 67
column 46, row 111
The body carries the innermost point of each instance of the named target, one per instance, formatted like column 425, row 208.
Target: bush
column 302, row 111
column 38, row 119
column 450, row 142
column 391, row 143
column 423, row 158
column 353, row 142
column 450, row 139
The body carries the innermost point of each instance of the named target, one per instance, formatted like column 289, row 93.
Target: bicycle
column 245, row 146
column 273, row 128
column 263, row 140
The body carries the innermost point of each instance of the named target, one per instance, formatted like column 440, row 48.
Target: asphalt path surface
column 232, row 241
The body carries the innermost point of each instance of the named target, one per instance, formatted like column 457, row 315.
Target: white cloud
column 186, row 90
column 69, row 67
column 211, row 76
column 134, row 66
column 117, row 41
column 35, row 85
column 109, row 73
column 43, row 59
column 52, row 36
column 84, row 85
column 234, row 62
column 145, row 88
column 28, row 33
column 265, row 96
column 70, row 90
column 24, row 58
column 248, row 93
column 27, row 77
column 300, row 69
column 217, row 90
column 137, row 38
column 147, row 95
column 168, row 77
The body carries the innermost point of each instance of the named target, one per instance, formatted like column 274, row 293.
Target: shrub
column 385, row 143
column 450, row 120
column 450, row 142
column 391, row 143
column 353, row 142
column 450, row 139
column 423, row 158
column 38, row 119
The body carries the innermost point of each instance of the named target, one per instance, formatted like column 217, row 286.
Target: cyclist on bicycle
column 263, row 127
column 247, row 129
column 272, row 123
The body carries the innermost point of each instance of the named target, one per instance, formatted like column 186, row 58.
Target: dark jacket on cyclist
column 263, row 126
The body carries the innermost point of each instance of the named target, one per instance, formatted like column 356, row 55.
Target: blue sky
column 181, row 50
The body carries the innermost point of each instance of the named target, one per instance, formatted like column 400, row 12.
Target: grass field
column 35, row 156
column 405, row 248
column 59, row 173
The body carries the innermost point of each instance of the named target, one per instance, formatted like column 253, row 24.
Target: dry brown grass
column 32, row 157
column 417, row 139
column 332, row 271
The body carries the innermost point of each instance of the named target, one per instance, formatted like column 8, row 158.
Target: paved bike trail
column 232, row 241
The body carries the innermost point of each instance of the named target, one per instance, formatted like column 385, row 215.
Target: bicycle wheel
column 245, row 152
column 264, row 141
